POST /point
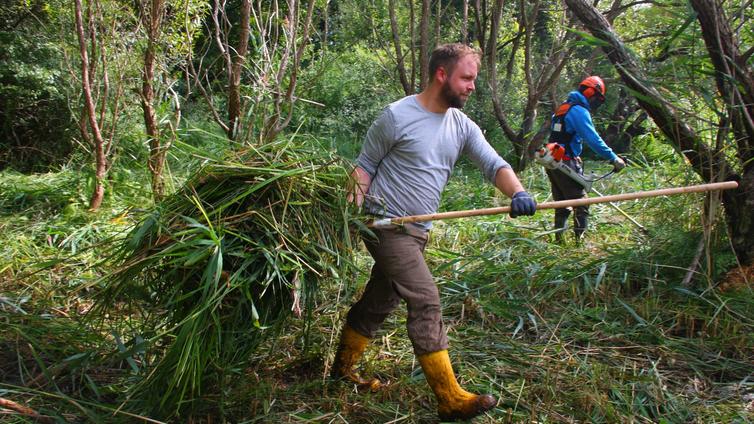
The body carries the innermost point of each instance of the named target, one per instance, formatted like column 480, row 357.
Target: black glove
column 522, row 204
column 618, row 164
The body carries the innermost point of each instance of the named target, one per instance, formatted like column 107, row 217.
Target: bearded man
column 404, row 165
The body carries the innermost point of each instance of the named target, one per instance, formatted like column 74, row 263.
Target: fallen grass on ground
column 601, row 332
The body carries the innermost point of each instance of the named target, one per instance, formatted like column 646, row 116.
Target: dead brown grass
column 737, row 279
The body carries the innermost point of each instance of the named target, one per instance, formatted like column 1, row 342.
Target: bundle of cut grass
column 215, row 268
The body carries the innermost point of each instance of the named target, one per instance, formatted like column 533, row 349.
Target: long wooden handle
column 727, row 185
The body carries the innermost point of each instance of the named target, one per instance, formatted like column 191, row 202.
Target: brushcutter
column 386, row 222
column 551, row 157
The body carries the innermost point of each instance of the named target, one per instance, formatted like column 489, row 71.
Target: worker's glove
column 618, row 164
column 522, row 204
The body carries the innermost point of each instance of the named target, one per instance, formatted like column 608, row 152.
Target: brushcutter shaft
column 727, row 185
column 622, row 212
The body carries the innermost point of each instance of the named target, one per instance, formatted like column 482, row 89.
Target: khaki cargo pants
column 400, row 272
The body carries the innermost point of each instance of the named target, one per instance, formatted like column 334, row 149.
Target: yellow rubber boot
column 350, row 350
column 453, row 403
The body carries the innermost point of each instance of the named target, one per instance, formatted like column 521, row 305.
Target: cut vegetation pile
column 216, row 267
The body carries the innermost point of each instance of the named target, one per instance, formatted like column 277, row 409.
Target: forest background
column 110, row 107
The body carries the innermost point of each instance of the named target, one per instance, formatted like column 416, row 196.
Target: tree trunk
column 539, row 78
column 480, row 21
column 326, row 24
column 735, row 84
column 465, row 23
column 412, row 31
column 709, row 164
column 523, row 147
column 296, row 52
column 399, row 58
column 438, row 21
column 152, row 19
column 99, row 145
column 424, row 50
column 734, row 77
column 234, row 83
column 490, row 52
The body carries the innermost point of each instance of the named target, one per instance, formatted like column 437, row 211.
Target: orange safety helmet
column 591, row 86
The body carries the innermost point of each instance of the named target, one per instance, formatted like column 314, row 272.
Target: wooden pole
column 727, row 185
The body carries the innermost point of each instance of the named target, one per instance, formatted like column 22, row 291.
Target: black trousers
column 565, row 188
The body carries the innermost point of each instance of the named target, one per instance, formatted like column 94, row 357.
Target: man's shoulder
column 578, row 111
column 464, row 121
column 402, row 105
column 459, row 114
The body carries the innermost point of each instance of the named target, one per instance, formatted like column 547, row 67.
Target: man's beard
column 451, row 98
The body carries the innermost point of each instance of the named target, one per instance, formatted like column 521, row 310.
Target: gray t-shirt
column 409, row 153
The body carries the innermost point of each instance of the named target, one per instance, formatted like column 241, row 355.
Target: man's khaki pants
column 400, row 272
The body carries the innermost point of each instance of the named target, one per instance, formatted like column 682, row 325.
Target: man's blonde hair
column 447, row 55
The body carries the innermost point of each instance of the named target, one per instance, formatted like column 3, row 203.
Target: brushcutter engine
column 551, row 156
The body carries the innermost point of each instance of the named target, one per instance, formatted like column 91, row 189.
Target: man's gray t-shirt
column 409, row 153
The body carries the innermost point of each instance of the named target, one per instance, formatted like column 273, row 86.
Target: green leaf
column 633, row 313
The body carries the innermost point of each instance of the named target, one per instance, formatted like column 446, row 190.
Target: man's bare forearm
column 507, row 182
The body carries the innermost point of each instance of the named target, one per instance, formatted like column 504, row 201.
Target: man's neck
column 431, row 100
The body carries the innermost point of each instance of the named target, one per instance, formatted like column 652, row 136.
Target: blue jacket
column 578, row 121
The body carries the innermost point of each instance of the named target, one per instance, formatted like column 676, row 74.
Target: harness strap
column 559, row 134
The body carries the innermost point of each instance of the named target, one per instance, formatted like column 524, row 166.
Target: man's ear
column 441, row 74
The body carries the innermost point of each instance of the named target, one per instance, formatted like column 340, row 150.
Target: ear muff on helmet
column 588, row 92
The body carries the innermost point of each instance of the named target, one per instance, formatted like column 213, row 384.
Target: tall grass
column 602, row 331
column 49, row 357
column 216, row 267
column 605, row 331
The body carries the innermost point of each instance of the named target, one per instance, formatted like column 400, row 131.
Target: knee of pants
column 430, row 308
column 367, row 319
column 581, row 210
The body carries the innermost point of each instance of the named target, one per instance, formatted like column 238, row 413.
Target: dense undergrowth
column 603, row 331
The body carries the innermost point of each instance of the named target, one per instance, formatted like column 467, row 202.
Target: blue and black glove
column 522, row 204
